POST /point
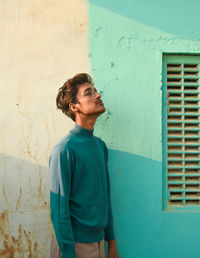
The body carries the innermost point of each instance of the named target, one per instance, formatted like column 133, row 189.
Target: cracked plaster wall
column 43, row 43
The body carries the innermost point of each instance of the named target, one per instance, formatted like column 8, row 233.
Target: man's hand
column 112, row 249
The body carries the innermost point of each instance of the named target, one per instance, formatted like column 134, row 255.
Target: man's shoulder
column 65, row 143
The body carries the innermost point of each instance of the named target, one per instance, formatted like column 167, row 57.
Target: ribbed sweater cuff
column 109, row 236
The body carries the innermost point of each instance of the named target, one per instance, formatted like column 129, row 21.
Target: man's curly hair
column 67, row 93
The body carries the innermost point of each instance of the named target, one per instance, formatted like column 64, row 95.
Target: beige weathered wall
column 42, row 43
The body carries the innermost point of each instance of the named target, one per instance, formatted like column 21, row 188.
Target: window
column 181, row 131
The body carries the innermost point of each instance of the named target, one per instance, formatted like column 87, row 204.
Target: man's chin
column 103, row 110
column 99, row 112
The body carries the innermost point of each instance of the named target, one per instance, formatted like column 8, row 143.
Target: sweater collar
column 79, row 130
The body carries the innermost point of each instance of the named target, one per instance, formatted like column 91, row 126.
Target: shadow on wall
column 179, row 18
column 142, row 229
column 24, row 211
column 136, row 194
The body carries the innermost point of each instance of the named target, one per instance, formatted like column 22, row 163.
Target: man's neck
column 87, row 124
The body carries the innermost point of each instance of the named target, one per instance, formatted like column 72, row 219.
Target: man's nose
column 98, row 95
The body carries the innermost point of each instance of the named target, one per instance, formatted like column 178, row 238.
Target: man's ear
column 73, row 107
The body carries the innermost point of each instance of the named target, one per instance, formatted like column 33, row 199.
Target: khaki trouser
column 82, row 250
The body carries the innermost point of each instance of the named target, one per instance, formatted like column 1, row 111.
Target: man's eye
column 88, row 93
column 91, row 92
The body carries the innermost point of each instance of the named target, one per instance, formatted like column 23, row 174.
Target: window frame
column 173, row 58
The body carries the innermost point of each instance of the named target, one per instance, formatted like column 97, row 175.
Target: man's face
column 89, row 99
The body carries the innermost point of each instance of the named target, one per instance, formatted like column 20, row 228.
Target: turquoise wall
column 127, row 40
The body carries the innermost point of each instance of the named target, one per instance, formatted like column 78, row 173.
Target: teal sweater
column 80, row 190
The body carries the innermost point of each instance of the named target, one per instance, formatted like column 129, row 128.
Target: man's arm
column 60, row 166
column 109, row 231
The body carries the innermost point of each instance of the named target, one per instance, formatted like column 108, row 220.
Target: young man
column 80, row 204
